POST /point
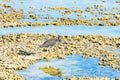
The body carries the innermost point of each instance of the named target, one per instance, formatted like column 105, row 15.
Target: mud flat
column 18, row 51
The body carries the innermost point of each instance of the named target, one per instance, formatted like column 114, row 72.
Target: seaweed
column 52, row 71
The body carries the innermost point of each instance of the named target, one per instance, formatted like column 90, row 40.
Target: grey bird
column 52, row 42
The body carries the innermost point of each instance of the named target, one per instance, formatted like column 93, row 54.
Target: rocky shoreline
column 101, row 15
column 88, row 78
column 18, row 51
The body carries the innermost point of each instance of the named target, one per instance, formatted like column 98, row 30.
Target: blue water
column 66, row 30
column 71, row 4
column 117, row 51
column 63, row 30
column 73, row 65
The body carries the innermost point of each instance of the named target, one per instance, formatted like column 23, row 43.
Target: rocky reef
column 101, row 15
column 18, row 51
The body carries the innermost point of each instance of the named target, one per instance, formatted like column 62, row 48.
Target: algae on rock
column 52, row 71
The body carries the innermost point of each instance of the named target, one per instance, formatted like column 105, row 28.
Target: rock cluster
column 117, row 1
column 100, row 16
column 88, row 78
column 18, row 51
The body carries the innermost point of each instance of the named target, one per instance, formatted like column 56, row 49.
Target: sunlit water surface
column 73, row 65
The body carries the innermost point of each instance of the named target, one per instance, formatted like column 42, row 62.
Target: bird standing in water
column 49, row 43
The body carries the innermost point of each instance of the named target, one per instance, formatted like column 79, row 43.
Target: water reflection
column 73, row 65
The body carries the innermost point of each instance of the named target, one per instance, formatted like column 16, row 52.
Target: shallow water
column 73, row 65
column 66, row 30
column 38, row 4
column 116, row 51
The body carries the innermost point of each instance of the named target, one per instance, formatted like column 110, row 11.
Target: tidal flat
column 88, row 50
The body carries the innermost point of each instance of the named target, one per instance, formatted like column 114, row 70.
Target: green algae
column 52, row 71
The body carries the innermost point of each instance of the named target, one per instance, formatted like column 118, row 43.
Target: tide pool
column 73, row 65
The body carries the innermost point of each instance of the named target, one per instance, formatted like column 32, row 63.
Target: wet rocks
column 86, row 78
column 6, row 0
column 33, row 16
column 117, row 1
column 101, row 16
column 59, row 8
column 18, row 51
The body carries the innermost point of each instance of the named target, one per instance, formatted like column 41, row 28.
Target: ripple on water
column 73, row 65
